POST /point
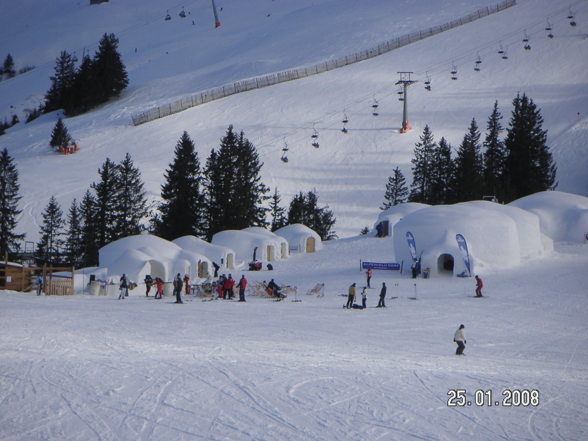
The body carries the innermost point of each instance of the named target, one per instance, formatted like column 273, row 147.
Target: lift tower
column 405, row 81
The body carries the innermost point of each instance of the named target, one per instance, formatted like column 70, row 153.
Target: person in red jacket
column 159, row 287
column 242, row 285
column 187, row 283
column 479, row 285
column 228, row 288
column 368, row 274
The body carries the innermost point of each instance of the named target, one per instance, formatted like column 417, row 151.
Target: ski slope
column 349, row 172
column 95, row 368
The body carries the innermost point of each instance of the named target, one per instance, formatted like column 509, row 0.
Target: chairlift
column 375, row 106
column 167, row 16
column 315, row 134
column 502, row 53
column 549, row 30
column 428, row 82
column 345, row 119
column 284, row 158
column 571, row 18
column 477, row 64
column 527, row 45
column 344, row 129
column 454, row 73
column 315, row 144
column 182, row 13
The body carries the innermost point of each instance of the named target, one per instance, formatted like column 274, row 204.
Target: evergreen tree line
column 225, row 194
column 507, row 168
column 78, row 89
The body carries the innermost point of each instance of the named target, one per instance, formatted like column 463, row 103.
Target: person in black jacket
column 123, row 287
column 178, row 284
column 382, row 296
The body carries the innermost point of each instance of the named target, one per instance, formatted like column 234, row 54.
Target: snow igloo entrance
column 445, row 264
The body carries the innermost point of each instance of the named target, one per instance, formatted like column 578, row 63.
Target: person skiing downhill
column 479, row 286
column 350, row 296
column 459, row 338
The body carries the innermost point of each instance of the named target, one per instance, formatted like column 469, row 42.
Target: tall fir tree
column 59, row 95
column 60, row 135
column 235, row 193
column 84, row 89
column 130, row 204
column 9, row 212
column 182, row 210
column 50, row 245
column 88, row 213
column 529, row 166
column 421, row 189
column 396, row 190
column 469, row 167
column 304, row 209
column 277, row 212
column 8, row 67
column 74, row 244
column 107, row 190
column 444, row 174
column 108, row 71
column 494, row 155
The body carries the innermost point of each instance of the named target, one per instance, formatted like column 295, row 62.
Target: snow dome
column 144, row 254
column 221, row 255
column 300, row 238
column 389, row 217
column 563, row 216
column 267, row 246
column 497, row 237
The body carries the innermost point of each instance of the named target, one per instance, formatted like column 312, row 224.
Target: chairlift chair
column 284, row 158
column 375, row 106
column 182, row 14
column 167, row 17
column 428, row 83
column 454, row 73
column 549, row 30
column 344, row 129
column 315, row 144
column 571, row 18
column 345, row 119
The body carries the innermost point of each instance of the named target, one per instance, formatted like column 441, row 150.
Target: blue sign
column 411, row 245
column 390, row 266
column 463, row 248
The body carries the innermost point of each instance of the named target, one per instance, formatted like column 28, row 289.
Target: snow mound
column 266, row 245
column 300, row 238
column 395, row 213
column 497, row 236
column 563, row 216
column 223, row 256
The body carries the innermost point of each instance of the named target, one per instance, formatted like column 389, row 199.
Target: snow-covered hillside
column 169, row 59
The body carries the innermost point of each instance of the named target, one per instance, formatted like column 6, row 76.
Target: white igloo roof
column 563, row 216
column 214, row 252
column 397, row 212
column 296, row 235
column 154, row 246
column 245, row 241
column 497, row 236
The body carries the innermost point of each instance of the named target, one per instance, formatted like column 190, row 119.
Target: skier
column 242, row 285
column 178, row 288
column 123, row 287
column 459, row 338
column 381, row 303
column 187, row 283
column 479, row 286
column 350, row 296
column 148, row 284
column 368, row 274
column 364, row 298
column 159, row 288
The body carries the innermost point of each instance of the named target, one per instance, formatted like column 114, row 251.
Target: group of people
column 226, row 287
column 352, row 292
column 178, row 284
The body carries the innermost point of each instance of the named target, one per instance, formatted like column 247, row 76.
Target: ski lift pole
column 405, row 81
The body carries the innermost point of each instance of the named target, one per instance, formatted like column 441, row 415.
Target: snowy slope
column 177, row 58
column 95, row 368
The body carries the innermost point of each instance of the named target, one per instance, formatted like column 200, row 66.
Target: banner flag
column 411, row 245
column 463, row 248
column 217, row 22
column 390, row 266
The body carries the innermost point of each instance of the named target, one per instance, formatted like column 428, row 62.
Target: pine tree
column 130, row 204
column 74, row 244
column 444, row 175
column 88, row 213
column 469, row 169
column 106, row 192
column 182, row 210
column 8, row 67
column 60, row 135
column 494, row 155
column 235, row 193
column 84, row 89
column 529, row 166
column 396, row 190
column 108, row 71
column 304, row 210
column 277, row 213
column 49, row 247
column 9, row 199
column 59, row 95
column 422, row 168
